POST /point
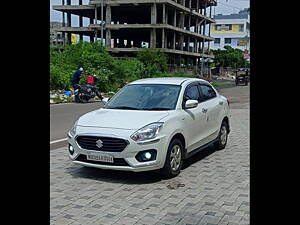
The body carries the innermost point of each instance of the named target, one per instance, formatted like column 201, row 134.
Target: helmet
column 80, row 69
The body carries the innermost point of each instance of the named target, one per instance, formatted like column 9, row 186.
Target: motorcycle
column 83, row 93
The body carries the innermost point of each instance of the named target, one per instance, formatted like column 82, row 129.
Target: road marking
column 56, row 141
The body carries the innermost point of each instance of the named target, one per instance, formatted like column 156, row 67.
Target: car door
column 212, row 107
column 195, row 119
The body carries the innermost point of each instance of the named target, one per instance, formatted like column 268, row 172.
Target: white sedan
column 151, row 124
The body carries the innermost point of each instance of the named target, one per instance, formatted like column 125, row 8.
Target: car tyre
column 222, row 137
column 174, row 159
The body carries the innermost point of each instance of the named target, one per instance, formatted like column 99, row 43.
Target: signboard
column 242, row 43
column 73, row 39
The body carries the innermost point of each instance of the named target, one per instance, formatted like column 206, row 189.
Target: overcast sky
column 224, row 7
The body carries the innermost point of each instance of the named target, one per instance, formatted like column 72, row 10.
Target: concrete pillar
column 190, row 4
column 181, row 20
column 189, row 23
column 102, row 6
column 153, row 14
column 174, row 40
column 96, row 22
column 163, row 38
column 164, row 14
column 181, row 42
column 174, row 20
column 153, row 38
column 63, row 24
column 197, row 6
column 80, row 23
column 196, row 26
column 69, row 23
column 188, row 43
column 153, row 21
column 108, row 32
column 166, row 40
column 167, row 16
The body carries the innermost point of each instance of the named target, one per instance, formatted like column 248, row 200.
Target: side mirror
column 105, row 100
column 191, row 104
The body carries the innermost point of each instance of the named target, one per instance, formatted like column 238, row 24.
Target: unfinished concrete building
column 177, row 27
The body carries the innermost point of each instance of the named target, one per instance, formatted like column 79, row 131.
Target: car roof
column 166, row 80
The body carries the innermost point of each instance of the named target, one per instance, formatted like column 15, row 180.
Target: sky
column 224, row 7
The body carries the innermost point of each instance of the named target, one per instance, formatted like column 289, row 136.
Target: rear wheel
column 222, row 137
column 173, row 162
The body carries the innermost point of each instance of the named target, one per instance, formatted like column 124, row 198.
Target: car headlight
column 148, row 132
column 72, row 131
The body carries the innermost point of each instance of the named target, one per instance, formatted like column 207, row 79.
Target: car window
column 207, row 92
column 146, row 97
column 192, row 93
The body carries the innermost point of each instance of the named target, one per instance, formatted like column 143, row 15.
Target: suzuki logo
column 99, row 143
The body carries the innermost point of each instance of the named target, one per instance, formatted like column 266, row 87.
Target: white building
column 232, row 30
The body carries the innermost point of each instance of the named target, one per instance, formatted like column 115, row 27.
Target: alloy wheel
column 175, row 157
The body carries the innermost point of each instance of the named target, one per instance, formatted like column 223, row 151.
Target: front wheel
column 173, row 162
column 222, row 137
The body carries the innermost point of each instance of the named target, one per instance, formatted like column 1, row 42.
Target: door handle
column 221, row 102
column 204, row 110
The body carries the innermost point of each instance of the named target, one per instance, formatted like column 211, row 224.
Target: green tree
column 155, row 61
column 229, row 57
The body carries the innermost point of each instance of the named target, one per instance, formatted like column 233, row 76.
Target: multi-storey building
column 232, row 30
column 177, row 27
column 56, row 37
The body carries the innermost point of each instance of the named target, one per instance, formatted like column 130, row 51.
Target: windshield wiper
column 157, row 108
column 123, row 107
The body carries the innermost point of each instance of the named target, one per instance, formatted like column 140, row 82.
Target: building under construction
column 177, row 27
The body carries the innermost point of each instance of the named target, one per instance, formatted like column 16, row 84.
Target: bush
column 111, row 73
column 155, row 61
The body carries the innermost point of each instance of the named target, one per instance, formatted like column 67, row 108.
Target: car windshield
column 145, row 97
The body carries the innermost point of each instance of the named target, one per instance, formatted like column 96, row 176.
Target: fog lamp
column 71, row 149
column 147, row 155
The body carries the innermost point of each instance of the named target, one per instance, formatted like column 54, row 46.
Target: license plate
column 101, row 158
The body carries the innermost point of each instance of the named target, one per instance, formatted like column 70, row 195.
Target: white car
column 151, row 124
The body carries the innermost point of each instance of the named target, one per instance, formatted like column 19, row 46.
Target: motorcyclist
column 90, row 80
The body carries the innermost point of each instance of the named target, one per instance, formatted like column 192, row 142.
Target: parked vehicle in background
column 83, row 93
column 242, row 76
column 151, row 124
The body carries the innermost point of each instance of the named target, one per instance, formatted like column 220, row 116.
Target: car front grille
column 109, row 144
column 117, row 161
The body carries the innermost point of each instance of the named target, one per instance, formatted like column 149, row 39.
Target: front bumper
column 127, row 155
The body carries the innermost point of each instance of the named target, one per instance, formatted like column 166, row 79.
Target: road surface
column 63, row 115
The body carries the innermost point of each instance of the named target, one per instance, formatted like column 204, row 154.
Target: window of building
column 217, row 41
column 241, row 27
column 227, row 40
column 220, row 27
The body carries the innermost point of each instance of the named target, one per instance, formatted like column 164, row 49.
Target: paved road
column 212, row 188
column 63, row 115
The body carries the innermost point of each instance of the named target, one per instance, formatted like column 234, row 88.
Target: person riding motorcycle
column 90, row 80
